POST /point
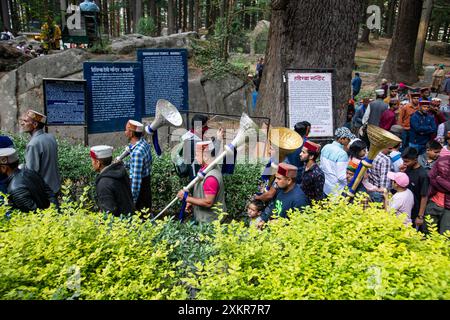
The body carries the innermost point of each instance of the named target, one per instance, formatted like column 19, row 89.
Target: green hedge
column 75, row 165
column 332, row 251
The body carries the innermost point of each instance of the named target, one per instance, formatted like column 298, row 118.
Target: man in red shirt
column 208, row 192
column 388, row 118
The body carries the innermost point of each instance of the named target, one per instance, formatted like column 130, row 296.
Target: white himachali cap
column 379, row 91
column 135, row 126
column 8, row 155
column 101, row 152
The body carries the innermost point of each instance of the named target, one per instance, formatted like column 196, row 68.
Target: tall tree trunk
column 184, row 28
column 104, row 14
column 171, row 16
column 191, row 15
column 365, row 35
column 445, row 35
column 197, row 23
column 207, row 14
column 422, row 34
column 14, row 14
column 399, row 64
column 247, row 25
column 436, row 27
column 179, row 15
column 152, row 12
column 130, row 13
column 294, row 43
column 392, row 6
column 5, row 13
column 139, row 13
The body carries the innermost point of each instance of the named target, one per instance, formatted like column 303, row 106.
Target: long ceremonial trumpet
column 246, row 126
column 166, row 113
column 379, row 139
column 284, row 141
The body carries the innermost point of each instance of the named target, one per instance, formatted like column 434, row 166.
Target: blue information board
column 165, row 76
column 65, row 102
column 114, row 95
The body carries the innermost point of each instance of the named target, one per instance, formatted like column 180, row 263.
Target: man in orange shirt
column 404, row 117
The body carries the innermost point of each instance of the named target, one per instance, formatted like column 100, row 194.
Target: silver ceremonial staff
column 246, row 126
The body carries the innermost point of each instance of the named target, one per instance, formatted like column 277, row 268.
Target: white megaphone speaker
column 166, row 113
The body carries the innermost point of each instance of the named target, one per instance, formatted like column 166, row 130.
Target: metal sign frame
column 333, row 95
column 45, row 83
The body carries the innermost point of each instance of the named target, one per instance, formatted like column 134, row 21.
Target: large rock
column 438, row 48
column 130, row 42
column 21, row 89
column 8, row 110
column 11, row 57
column 57, row 65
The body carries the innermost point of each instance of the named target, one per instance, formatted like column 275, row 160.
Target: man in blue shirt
column 356, row 85
column 302, row 128
column 289, row 195
column 423, row 127
column 139, row 165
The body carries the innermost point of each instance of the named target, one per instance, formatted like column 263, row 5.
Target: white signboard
column 311, row 99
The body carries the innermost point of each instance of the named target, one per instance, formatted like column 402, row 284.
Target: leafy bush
column 146, row 26
column 331, row 251
column 83, row 255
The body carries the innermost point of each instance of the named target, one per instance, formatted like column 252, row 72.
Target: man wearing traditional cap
column 41, row 154
column 26, row 188
column 334, row 159
column 388, row 118
column 424, row 94
column 112, row 185
column 302, row 128
column 139, row 165
column 404, row 117
column 5, row 142
column 289, row 195
column 393, row 94
column 375, row 109
column 210, row 191
column 313, row 177
column 422, row 127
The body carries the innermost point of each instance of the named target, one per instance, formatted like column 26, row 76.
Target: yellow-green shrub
column 77, row 254
column 332, row 251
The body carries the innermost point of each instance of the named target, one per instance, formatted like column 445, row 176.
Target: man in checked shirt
column 139, row 165
column 378, row 175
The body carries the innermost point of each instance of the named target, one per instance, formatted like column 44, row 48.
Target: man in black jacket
column 113, row 185
column 26, row 189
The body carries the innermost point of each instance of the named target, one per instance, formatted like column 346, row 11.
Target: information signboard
column 65, row 102
column 114, row 95
column 310, row 98
column 165, row 76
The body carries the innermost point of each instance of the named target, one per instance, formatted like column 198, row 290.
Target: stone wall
column 21, row 89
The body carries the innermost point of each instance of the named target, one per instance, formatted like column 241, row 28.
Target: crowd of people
column 412, row 177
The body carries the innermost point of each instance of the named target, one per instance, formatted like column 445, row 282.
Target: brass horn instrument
column 379, row 140
column 284, row 141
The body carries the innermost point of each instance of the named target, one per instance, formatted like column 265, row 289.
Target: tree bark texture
column 309, row 34
column 390, row 21
column 5, row 13
column 399, row 64
column 422, row 33
column 171, row 16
